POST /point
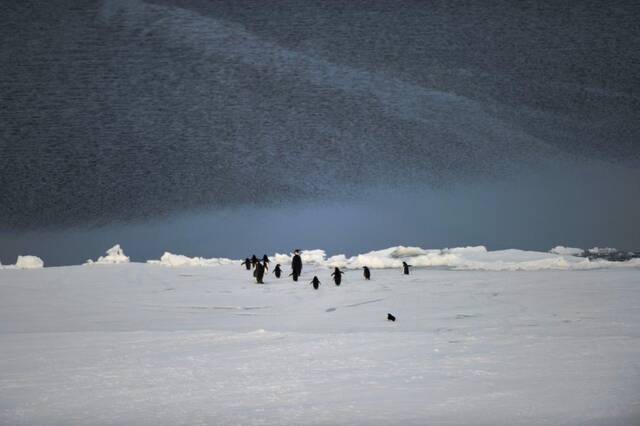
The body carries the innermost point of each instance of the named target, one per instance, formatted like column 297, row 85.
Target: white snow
column 140, row 344
column 567, row 251
column 178, row 260
column 25, row 262
column 113, row 256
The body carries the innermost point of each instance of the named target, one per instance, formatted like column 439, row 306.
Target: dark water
column 207, row 127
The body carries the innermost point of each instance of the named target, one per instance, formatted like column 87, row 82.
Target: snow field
column 143, row 344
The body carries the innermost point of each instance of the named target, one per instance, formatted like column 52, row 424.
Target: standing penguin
column 316, row 282
column 247, row 264
column 254, row 260
column 259, row 273
column 337, row 276
column 367, row 273
column 277, row 270
column 296, row 265
column 265, row 260
column 405, row 268
column 294, row 275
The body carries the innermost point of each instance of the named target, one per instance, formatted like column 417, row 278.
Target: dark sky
column 503, row 123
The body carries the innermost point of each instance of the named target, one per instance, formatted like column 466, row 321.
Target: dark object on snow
column 277, row 271
column 391, row 318
column 405, row 268
column 296, row 264
column 367, row 273
column 337, row 276
column 295, row 276
column 259, row 273
column 247, row 263
column 315, row 282
column 254, row 260
column 265, row 260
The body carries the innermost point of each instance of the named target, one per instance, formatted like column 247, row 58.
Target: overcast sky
column 227, row 127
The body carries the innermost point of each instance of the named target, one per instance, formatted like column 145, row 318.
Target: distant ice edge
column 459, row 258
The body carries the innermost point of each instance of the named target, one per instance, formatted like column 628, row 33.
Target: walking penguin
column 277, row 270
column 367, row 273
column 266, row 261
column 316, row 282
column 254, row 260
column 405, row 268
column 296, row 265
column 337, row 276
column 247, row 264
column 259, row 273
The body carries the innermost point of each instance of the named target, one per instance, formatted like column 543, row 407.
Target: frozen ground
column 147, row 344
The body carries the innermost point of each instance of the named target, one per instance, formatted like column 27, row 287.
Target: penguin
column 405, row 268
column 391, row 318
column 367, row 273
column 277, row 270
column 337, row 276
column 296, row 264
column 259, row 273
column 254, row 260
column 265, row 260
column 315, row 282
column 295, row 276
column 247, row 264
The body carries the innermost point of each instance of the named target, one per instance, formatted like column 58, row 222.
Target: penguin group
column 259, row 267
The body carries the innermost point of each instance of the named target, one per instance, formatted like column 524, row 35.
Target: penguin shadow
column 465, row 316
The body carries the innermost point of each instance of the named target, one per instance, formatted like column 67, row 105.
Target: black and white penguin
column 259, row 273
column 247, row 264
column 296, row 264
column 316, row 282
column 277, row 270
column 337, row 276
column 367, row 273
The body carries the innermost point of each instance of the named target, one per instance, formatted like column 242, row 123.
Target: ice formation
column 113, row 256
column 178, row 260
column 460, row 258
column 567, row 251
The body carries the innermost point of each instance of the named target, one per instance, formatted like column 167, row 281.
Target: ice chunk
column 178, row 260
column 114, row 255
column 567, row 251
column 29, row 262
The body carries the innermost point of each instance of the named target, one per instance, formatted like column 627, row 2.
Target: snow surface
column 142, row 344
